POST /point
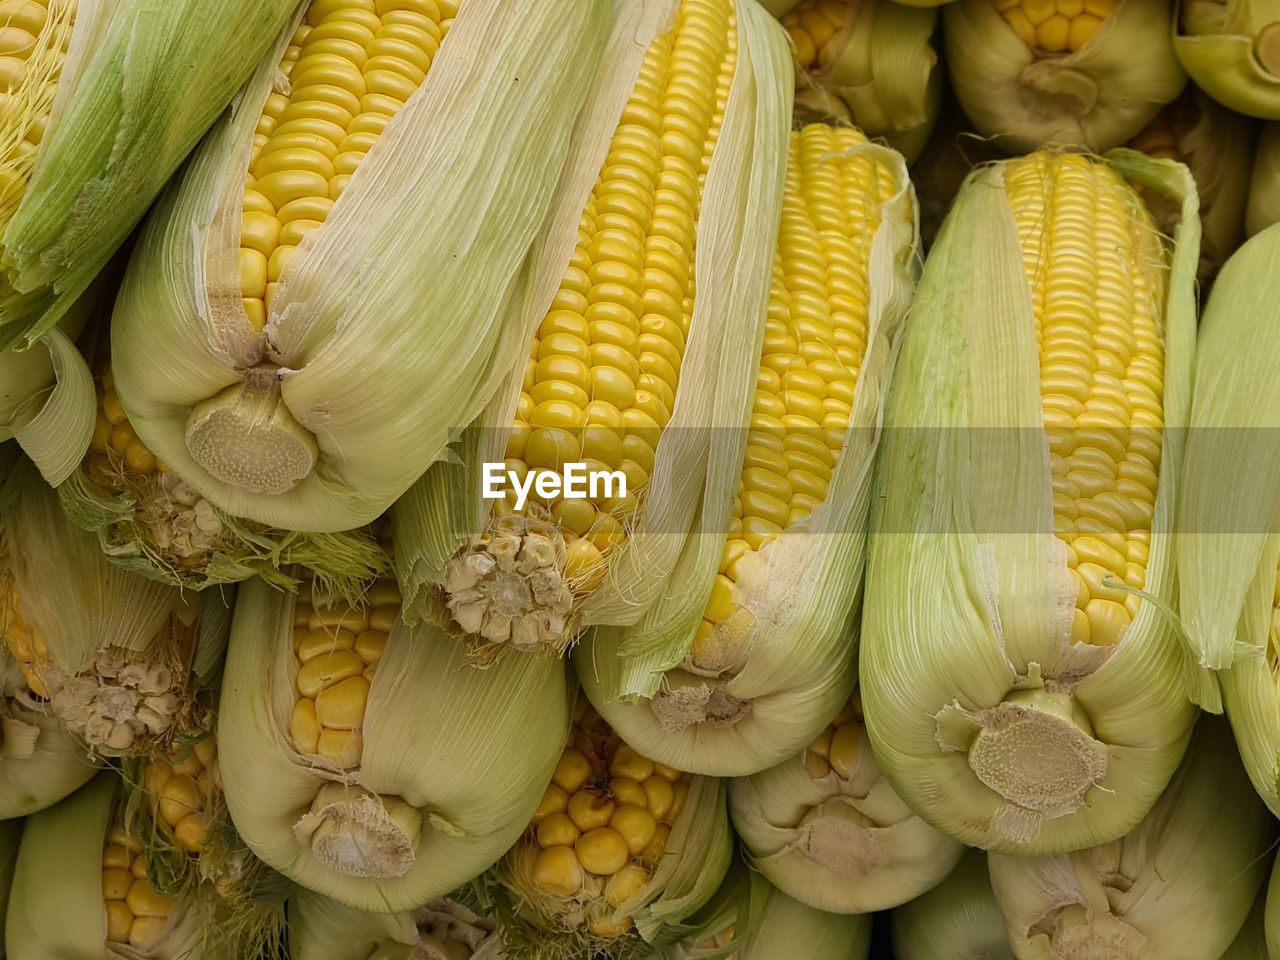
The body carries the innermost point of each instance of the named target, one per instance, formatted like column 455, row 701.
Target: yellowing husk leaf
column 362, row 761
column 866, row 62
column 149, row 520
column 120, row 659
column 1069, row 81
column 105, row 100
column 1231, row 49
column 386, row 330
column 668, row 355
column 1263, row 208
column 1023, row 687
column 1229, row 548
column 619, row 854
column 958, row 919
column 81, row 890
column 752, row 648
column 826, row 828
column 322, row 929
column 1217, row 146
column 1177, row 887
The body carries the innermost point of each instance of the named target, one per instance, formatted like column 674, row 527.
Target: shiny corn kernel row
column 601, row 381
column 183, row 790
column 115, row 445
column 603, row 823
column 1055, row 26
column 1097, row 272
column 352, row 65
column 815, row 27
column 814, row 344
column 337, row 647
column 136, row 914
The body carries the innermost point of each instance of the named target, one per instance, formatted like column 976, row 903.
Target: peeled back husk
column 1231, row 49
column 444, row 527
column 57, row 905
column 1217, row 146
column 1229, row 548
column 385, row 335
column 1177, row 887
column 870, row 63
column 958, row 919
column 449, row 766
column 121, row 659
column 1096, row 97
column 121, row 120
column 783, row 662
column 989, row 711
column 1263, row 207
column 323, row 929
column 826, row 828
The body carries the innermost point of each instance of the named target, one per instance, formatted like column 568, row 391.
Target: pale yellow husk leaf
column 966, row 642
column 1177, row 887
column 380, row 344
column 1095, row 98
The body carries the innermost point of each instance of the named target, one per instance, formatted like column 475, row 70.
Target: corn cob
column 619, row 849
column 1263, row 206
column 866, row 63
column 1232, row 52
column 1060, row 72
column 644, row 275
column 308, row 707
column 321, row 929
column 1043, row 496
column 826, row 829
column 279, row 410
column 958, row 919
column 1216, row 145
column 1179, row 885
column 741, row 669
column 120, row 659
column 107, row 905
column 91, row 128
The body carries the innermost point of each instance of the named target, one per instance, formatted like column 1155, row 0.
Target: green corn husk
column 958, row 919
column 140, row 83
column 453, row 762
column 322, row 929
column 121, row 660
column 57, row 907
column 1096, row 97
column 303, row 426
column 1251, row 942
column 792, row 641
column 727, row 921
column 1217, row 146
column 1229, row 547
column 967, row 633
column 1231, row 50
column 877, row 69
column 1263, row 207
column 1177, row 887
column 442, row 525
column 833, row 834
column 46, row 395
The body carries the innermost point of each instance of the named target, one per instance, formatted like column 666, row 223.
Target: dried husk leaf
column 470, row 750
column 842, row 845
column 741, row 204
column 963, row 640
column 800, row 600
column 1263, row 207
column 958, row 919
column 1095, row 98
column 380, row 344
column 1232, row 51
column 1177, row 887
column 123, row 120
column 62, row 851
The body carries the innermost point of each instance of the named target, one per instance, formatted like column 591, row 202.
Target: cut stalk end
column 688, row 702
column 1053, row 90
column 247, row 437
column 359, row 834
column 1266, row 48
